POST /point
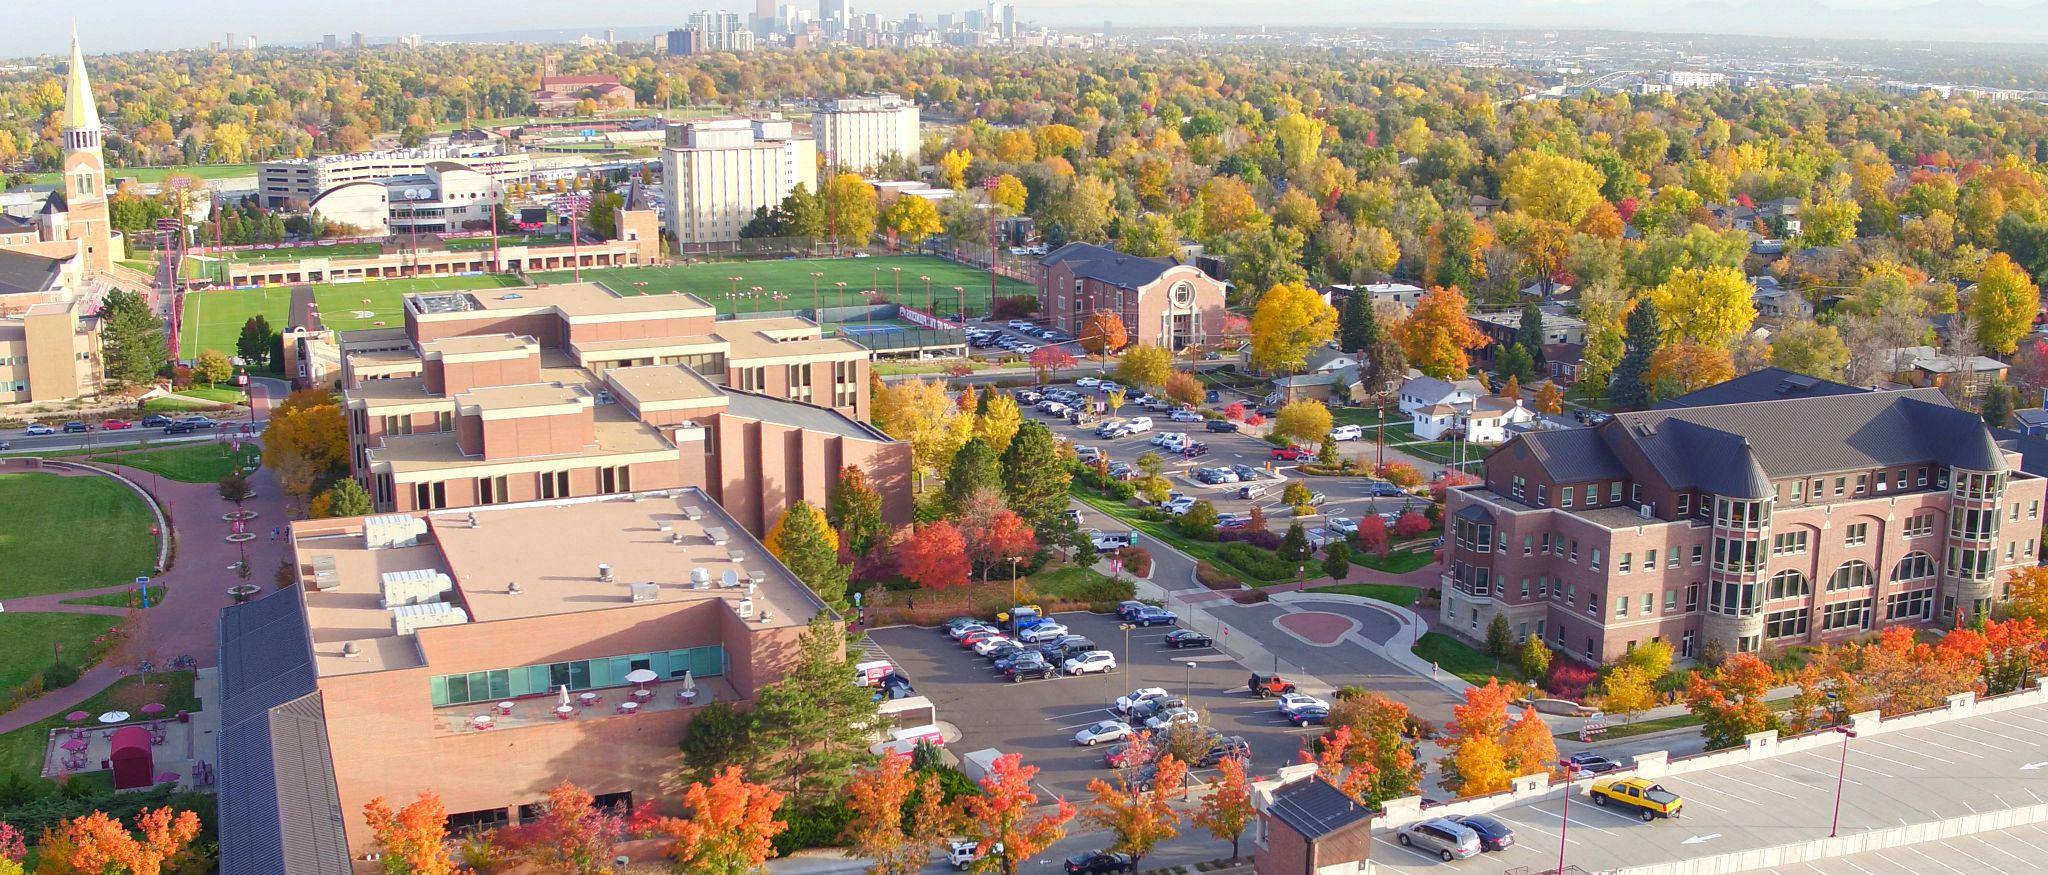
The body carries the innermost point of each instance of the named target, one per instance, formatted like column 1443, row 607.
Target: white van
column 1139, row 425
column 1347, row 433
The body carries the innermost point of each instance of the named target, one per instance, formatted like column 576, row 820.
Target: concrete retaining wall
column 1841, row 846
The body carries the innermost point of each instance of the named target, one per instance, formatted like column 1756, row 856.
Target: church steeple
column 81, row 113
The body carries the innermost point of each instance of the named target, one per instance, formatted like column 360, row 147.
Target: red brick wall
column 538, row 435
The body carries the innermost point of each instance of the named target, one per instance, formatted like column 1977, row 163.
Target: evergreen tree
column 975, row 467
column 1035, row 481
column 801, row 215
column 1500, row 640
column 254, row 343
column 1529, row 335
column 1998, row 405
column 1337, row 560
column 855, row 509
column 1294, row 546
column 815, row 716
column 132, row 340
column 1629, row 387
column 347, row 498
column 805, row 542
column 1513, row 363
column 1357, row 327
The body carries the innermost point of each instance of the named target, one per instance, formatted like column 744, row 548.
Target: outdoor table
column 75, row 745
column 643, row 694
column 587, row 698
column 565, row 712
column 482, row 721
column 505, row 708
column 628, row 707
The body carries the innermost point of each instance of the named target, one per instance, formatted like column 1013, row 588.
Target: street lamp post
column 1013, row 578
column 1188, row 690
column 817, row 314
column 1126, row 627
column 1841, row 774
column 1569, row 768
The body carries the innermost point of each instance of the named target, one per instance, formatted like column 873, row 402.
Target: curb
column 163, row 543
column 1412, row 625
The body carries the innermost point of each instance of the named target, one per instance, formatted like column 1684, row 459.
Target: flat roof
column 475, row 344
column 520, row 396
column 800, row 415
column 617, row 433
column 656, row 383
column 552, row 549
column 750, row 340
column 587, row 299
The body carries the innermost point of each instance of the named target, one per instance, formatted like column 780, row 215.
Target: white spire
column 80, row 112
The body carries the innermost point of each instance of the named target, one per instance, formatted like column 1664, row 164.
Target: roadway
column 1972, row 765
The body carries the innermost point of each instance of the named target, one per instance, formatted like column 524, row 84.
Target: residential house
column 1926, row 366
column 1481, row 421
column 1777, row 302
column 1420, row 391
column 1503, row 327
column 2032, row 422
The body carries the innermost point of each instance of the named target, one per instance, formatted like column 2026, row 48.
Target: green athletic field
column 213, row 319
column 792, row 277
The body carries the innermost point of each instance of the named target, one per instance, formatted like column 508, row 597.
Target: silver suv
column 1446, row 838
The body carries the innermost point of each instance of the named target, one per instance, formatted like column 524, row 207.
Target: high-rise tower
column 85, row 169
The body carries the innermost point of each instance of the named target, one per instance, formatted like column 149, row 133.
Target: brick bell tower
column 85, row 169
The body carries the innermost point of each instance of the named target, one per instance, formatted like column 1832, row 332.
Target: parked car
column 156, row 420
column 1229, row 747
column 1446, row 838
column 37, row 429
column 1127, row 754
column 1107, row 730
column 1493, row 834
column 1030, row 666
column 114, row 424
column 985, row 645
column 1222, row 425
column 1099, row 863
column 1290, row 702
column 1342, row 525
column 180, row 428
column 1139, row 425
column 1087, row 453
column 1151, row 708
column 1649, row 800
column 976, row 637
column 1107, row 541
column 1268, row 686
column 1042, row 633
column 1125, row 609
column 1346, row 433
column 1151, row 616
column 1180, row 638
column 1065, row 646
column 963, row 852
column 1179, row 505
column 1092, row 662
column 1184, row 416
column 1134, row 698
column 1169, row 719
column 76, row 427
column 1290, row 454
column 199, row 421
column 1000, row 655
column 1313, row 715
column 964, row 629
column 1592, row 763
column 1194, row 450
column 1087, row 382
column 1384, row 489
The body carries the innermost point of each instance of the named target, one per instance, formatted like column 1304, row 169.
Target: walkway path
column 195, row 586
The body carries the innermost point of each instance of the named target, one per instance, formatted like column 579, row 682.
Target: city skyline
column 108, row 29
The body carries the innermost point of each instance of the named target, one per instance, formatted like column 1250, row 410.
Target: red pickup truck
column 1291, row 454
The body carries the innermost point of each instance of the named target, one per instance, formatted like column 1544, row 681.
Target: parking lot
column 1038, row 718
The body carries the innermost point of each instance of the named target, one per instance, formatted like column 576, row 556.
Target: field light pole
column 817, row 313
column 1569, row 768
column 962, row 291
column 1126, row 627
column 897, row 296
column 928, row 303
column 1841, row 774
column 1188, row 690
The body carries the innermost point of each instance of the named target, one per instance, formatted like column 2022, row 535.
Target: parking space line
column 2037, row 796
column 1755, row 786
column 1788, row 762
column 1430, row 857
column 1935, row 861
column 2018, row 716
column 1581, row 823
column 1965, row 738
column 1628, row 817
column 1984, row 731
column 1908, row 750
column 1994, row 846
column 2036, row 848
column 2026, row 729
column 1980, row 861
column 1535, row 830
column 1889, row 760
column 1852, row 864
column 1696, row 801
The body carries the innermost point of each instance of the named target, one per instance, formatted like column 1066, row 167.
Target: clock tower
column 85, row 170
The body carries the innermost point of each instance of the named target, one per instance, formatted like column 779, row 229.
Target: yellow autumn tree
column 1291, row 320
column 1436, row 336
column 1710, row 306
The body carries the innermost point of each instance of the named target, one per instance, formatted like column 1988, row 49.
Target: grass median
column 1405, row 596
column 1206, row 551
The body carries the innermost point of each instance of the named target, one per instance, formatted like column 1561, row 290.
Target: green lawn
column 157, row 174
column 27, row 641
column 341, row 302
column 197, row 462
column 45, row 521
column 1368, row 417
column 295, row 253
column 1455, row 657
column 175, row 404
column 214, row 394
column 22, row 750
column 1404, row 596
column 213, row 319
column 469, row 244
column 792, row 277
column 1397, row 561
column 1204, row 550
column 125, row 599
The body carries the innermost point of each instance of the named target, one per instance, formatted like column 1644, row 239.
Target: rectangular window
column 1621, row 607
column 1670, row 600
column 1592, row 494
column 1798, row 491
column 1840, row 484
column 1527, row 543
column 1542, row 495
column 1920, row 525
column 554, row 484
column 1692, row 597
column 1564, row 496
column 1621, row 563
column 492, row 490
column 1684, row 503
column 1920, row 477
column 1862, row 483
column 2033, row 510
column 1911, row 605
column 1614, row 491
column 1595, row 563
column 2015, row 511
column 1846, row 615
column 582, row 674
column 1856, row 534
column 430, row 496
column 1525, row 588
column 1698, row 554
column 1574, row 555
column 1649, row 560
column 1517, row 487
column 1785, row 624
column 1788, row 543
column 1880, row 486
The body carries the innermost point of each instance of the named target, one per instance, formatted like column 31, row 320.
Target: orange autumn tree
column 1730, row 700
column 1337, row 765
column 935, row 556
column 1000, row 821
column 100, row 845
column 1103, row 333
column 1140, row 819
column 1436, row 336
column 731, row 829
column 1377, row 744
column 413, row 839
column 1477, row 761
column 1227, row 808
column 1529, row 747
column 572, row 834
column 879, row 832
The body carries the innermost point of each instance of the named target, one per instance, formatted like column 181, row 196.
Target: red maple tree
column 1001, row 818
column 1227, row 809
column 935, row 556
column 414, row 839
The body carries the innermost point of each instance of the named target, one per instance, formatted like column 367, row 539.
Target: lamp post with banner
column 989, row 185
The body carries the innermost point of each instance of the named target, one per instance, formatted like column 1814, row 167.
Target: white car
column 1185, row 416
column 1172, row 718
column 1042, row 632
column 1107, row 730
column 1343, row 525
column 970, row 628
column 1087, row 382
column 1092, row 662
column 1146, row 694
column 1180, row 505
column 1174, row 441
column 1107, row 385
column 992, row 642
column 1139, row 424
column 1293, row 702
column 1347, row 433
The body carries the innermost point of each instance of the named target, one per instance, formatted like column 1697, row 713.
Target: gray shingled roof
column 1569, row 454
column 279, row 811
column 1094, row 262
column 1736, row 449
column 800, row 415
column 1315, row 809
column 1769, row 384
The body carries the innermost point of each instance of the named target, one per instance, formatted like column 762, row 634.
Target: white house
column 1481, row 421
column 1421, row 391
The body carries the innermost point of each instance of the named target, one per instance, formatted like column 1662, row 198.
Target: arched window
column 1916, row 566
column 1790, row 583
column 1851, row 575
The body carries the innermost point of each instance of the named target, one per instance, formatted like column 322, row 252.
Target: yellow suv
column 1649, row 800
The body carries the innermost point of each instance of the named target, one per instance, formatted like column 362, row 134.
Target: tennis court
column 786, row 284
column 214, row 319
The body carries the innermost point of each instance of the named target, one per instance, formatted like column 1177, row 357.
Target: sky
column 123, row 25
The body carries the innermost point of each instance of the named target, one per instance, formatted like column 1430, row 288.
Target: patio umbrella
column 565, row 695
column 77, row 716
column 113, row 716
column 689, row 684
column 641, row 676
column 75, row 745
column 167, row 777
column 153, row 708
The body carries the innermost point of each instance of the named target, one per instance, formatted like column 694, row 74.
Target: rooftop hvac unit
column 350, row 650
column 757, row 577
column 700, row 578
column 604, row 572
column 736, row 557
column 1646, row 510
column 325, row 575
column 413, row 587
column 729, row 579
column 643, row 592
column 392, row 530
column 407, row 619
column 717, row 535
column 692, row 512
column 746, row 607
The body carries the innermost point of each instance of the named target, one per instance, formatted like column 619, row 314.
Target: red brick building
column 1765, row 523
column 1162, row 302
column 1308, row 827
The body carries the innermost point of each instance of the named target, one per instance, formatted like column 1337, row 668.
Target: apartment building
column 859, row 133
column 1162, row 302
column 488, row 654
column 296, row 183
column 570, row 390
column 1745, row 526
column 717, row 172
